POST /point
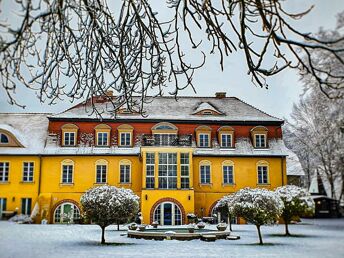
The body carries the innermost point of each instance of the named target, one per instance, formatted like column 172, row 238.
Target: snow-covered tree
column 297, row 202
column 257, row 206
column 223, row 207
column 106, row 205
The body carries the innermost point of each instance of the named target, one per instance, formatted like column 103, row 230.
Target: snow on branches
column 297, row 202
column 106, row 205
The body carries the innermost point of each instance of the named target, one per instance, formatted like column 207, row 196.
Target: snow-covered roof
column 167, row 108
column 91, row 151
column 294, row 167
column 30, row 130
column 243, row 147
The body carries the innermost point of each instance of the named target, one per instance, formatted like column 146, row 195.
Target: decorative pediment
column 206, row 109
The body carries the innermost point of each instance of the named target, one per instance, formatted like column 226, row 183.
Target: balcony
column 166, row 140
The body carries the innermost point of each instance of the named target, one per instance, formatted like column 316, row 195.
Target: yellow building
column 180, row 158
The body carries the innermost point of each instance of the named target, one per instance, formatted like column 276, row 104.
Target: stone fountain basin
column 180, row 234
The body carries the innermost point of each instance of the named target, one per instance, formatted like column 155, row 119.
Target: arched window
column 69, row 134
column 228, row 172
column 67, row 171
column 66, row 212
column 205, row 172
column 125, row 171
column 101, row 171
column 262, row 172
column 165, row 134
column 3, row 138
column 168, row 213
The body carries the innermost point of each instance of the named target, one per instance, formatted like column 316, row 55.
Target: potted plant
column 201, row 225
column 133, row 226
column 191, row 228
column 155, row 224
column 221, row 226
column 142, row 227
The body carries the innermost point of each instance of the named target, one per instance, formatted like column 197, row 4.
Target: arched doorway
column 168, row 213
column 66, row 212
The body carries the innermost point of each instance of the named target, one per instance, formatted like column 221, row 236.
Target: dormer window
column 207, row 112
column 260, row 140
column 125, row 134
column 259, row 137
column 3, row 138
column 165, row 134
column 206, row 109
column 102, row 139
column 203, row 136
column 69, row 135
column 226, row 137
column 102, row 135
column 69, row 139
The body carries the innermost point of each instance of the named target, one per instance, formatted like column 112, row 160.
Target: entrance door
column 167, row 213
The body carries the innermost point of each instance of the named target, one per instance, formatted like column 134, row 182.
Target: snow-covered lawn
column 313, row 238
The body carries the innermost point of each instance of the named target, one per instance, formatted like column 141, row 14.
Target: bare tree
column 82, row 48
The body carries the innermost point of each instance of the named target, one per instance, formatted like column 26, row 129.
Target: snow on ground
column 313, row 238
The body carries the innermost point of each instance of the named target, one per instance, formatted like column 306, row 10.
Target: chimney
column 220, row 95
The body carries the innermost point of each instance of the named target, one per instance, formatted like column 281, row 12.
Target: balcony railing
column 166, row 140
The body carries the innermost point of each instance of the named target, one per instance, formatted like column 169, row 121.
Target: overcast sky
column 284, row 88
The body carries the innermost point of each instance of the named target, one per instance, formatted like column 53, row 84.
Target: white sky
column 284, row 88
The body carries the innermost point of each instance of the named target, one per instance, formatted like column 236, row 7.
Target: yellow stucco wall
column 15, row 189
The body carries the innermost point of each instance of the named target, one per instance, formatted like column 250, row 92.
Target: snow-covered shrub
column 106, row 205
column 297, row 202
column 24, row 219
column 257, row 206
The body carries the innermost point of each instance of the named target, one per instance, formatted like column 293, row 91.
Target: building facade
column 180, row 157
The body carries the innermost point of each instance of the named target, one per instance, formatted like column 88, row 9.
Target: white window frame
column 260, row 178
column 68, row 143
column 224, row 172
column 201, row 177
column 231, row 140
column 151, row 165
column 203, row 141
column 126, row 173
column 159, row 212
column 101, row 143
column 259, row 136
column 102, row 172
column 4, row 171
column 28, row 171
column 185, row 166
column 125, row 135
column 68, row 174
column 168, row 165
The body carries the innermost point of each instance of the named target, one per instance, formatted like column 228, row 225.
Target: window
column 124, row 174
column 205, row 173
column 69, row 139
column 3, row 202
column 184, row 169
column 102, row 139
column 228, row 176
column 165, row 139
column 28, row 171
column 226, row 140
column 4, row 171
column 260, row 140
column 3, row 138
column 262, row 175
column 101, row 171
column 150, row 167
column 26, row 206
column 67, row 174
column 168, row 170
column 203, row 140
column 125, row 139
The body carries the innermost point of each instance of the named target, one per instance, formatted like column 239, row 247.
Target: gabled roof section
column 30, row 130
column 172, row 110
column 206, row 107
